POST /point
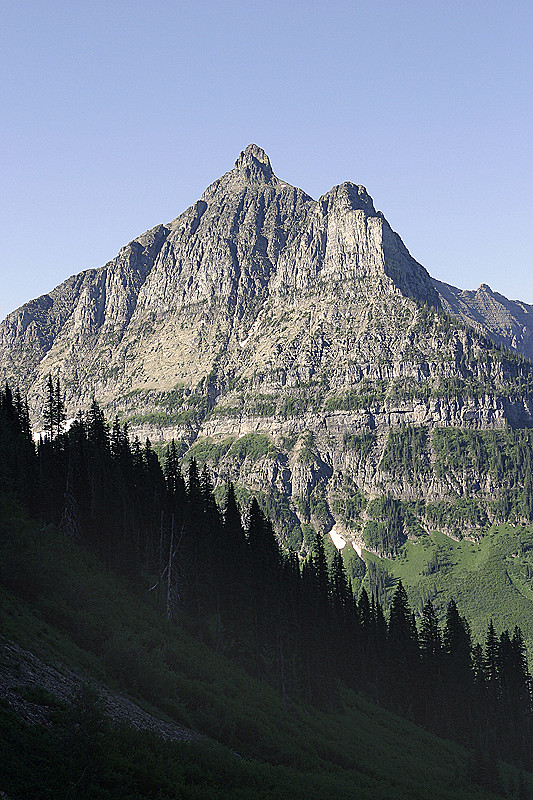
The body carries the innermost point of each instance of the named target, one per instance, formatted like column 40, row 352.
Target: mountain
column 295, row 346
column 180, row 295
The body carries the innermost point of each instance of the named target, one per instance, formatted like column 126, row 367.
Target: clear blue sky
column 117, row 115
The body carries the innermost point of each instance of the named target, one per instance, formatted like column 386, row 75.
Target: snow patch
column 42, row 433
column 337, row 539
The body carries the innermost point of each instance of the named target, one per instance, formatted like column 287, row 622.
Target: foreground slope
column 91, row 626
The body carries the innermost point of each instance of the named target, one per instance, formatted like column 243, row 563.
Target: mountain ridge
column 508, row 322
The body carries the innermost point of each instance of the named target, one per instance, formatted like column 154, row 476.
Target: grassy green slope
column 490, row 578
column 59, row 602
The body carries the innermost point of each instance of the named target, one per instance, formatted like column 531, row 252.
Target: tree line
column 219, row 571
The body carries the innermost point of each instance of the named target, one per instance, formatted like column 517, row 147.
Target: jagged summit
column 255, row 164
column 252, row 169
column 288, row 341
column 508, row 322
column 350, row 196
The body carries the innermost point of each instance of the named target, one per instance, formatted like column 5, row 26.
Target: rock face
column 508, row 322
column 264, row 329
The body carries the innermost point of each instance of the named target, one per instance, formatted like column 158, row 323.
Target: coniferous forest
column 218, row 571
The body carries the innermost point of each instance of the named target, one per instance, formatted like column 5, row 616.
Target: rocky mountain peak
column 254, row 163
column 348, row 196
column 252, row 169
column 288, row 342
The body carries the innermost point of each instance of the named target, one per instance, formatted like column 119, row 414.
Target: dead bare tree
column 170, row 570
column 70, row 524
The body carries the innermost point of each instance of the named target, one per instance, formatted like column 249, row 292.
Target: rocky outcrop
column 34, row 689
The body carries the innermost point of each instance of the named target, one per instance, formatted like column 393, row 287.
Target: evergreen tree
column 300, row 629
column 265, row 563
column 527, row 494
column 102, row 500
column 402, row 633
column 379, row 626
column 456, row 639
column 430, row 637
column 340, row 594
column 194, row 490
column 457, row 669
column 521, row 679
column 234, row 578
column 18, row 467
column 365, row 617
column 342, row 614
column 22, row 416
column 505, row 665
column 321, row 576
column 172, row 468
column 478, row 672
column 402, row 641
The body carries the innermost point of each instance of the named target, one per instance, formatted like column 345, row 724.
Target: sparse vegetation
column 359, row 443
column 385, row 533
column 253, row 446
column 406, row 452
column 367, row 394
column 209, row 451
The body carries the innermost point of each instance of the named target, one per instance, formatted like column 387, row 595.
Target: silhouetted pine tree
column 172, row 468
column 402, row 649
column 343, row 617
column 18, row 463
column 60, row 412
column 49, row 411
column 457, row 673
column 235, row 580
column 430, row 640
column 265, row 567
column 102, row 500
column 491, row 665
